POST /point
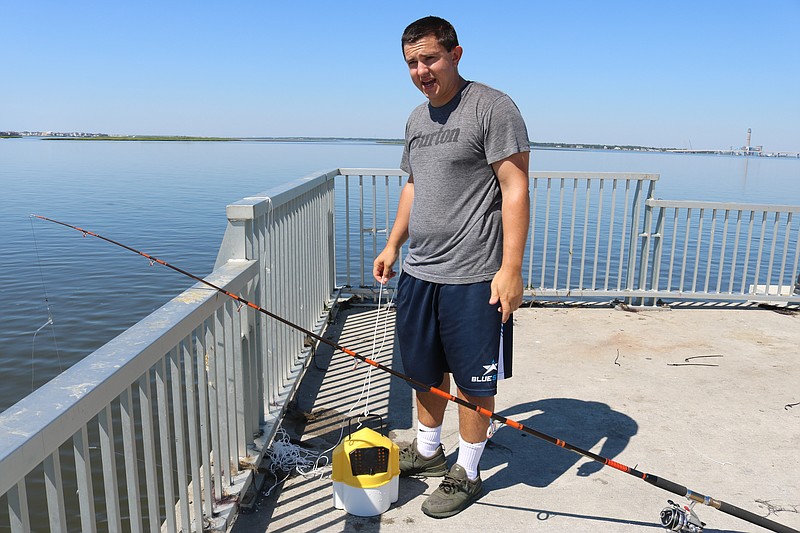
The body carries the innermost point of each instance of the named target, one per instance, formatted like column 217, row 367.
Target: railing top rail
column 253, row 206
column 533, row 174
column 372, row 172
column 720, row 206
column 29, row 433
column 643, row 176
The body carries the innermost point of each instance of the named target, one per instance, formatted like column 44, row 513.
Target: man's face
column 433, row 69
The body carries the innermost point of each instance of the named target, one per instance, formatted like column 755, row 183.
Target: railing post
column 633, row 274
column 233, row 243
column 361, row 228
column 18, row 507
column 83, row 472
column 657, row 249
column 639, row 275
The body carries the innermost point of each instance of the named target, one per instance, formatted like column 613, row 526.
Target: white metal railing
column 721, row 251
column 290, row 232
column 583, row 234
column 161, row 428
column 592, row 237
column 366, row 200
column 582, row 237
column 62, row 443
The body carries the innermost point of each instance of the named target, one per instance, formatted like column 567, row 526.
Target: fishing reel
column 677, row 518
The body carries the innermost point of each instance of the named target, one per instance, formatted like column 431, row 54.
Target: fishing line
column 365, row 389
column 287, row 457
column 33, row 350
column 671, row 516
column 687, row 361
column 376, row 352
column 49, row 321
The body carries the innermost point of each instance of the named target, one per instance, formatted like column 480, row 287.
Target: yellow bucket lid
column 366, row 459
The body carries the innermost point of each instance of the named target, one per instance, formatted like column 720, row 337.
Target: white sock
column 469, row 455
column 428, row 440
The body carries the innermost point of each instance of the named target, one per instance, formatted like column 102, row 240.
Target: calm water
column 168, row 199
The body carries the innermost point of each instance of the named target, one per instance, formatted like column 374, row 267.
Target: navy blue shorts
column 452, row 328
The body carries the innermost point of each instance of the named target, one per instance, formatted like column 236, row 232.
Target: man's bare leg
column 430, row 407
column 428, row 458
column 471, row 424
column 472, row 430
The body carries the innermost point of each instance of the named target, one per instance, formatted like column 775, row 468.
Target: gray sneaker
column 454, row 494
column 413, row 464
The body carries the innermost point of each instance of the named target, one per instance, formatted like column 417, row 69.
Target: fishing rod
column 674, row 517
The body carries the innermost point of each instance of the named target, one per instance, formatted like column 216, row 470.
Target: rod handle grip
column 667, row 485
column 753, row 518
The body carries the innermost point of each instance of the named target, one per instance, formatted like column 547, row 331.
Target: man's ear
column 456, row 54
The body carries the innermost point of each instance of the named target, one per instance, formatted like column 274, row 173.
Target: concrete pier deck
column 705, row 396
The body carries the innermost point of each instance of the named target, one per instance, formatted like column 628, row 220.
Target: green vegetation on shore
column 98, row 137
column 139, row 138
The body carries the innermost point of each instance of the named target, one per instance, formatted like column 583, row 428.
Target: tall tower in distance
column 749, row 149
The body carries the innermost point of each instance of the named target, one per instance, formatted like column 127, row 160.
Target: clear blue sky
column 674, row 73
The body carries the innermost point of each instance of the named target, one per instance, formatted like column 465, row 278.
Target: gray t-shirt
column 455, row 229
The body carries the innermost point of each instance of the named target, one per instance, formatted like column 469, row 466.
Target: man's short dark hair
column 444, row 32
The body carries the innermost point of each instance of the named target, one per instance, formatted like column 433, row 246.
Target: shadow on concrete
column 535, row 462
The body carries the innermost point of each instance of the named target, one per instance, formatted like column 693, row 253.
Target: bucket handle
column 361, row 419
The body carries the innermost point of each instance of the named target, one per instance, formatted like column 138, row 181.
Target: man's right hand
column 382, row 266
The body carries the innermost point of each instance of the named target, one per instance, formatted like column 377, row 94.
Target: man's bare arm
column 512, row 173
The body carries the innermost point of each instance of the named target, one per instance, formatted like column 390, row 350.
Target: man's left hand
column 507, row 290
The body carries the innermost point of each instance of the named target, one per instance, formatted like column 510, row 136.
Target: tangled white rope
column 287, row 457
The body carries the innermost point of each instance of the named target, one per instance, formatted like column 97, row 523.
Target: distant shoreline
column 93, row 137
column 137, row 138
column 51, row 136
column 104, row 137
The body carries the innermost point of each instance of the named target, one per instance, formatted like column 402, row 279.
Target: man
column 465, row 212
